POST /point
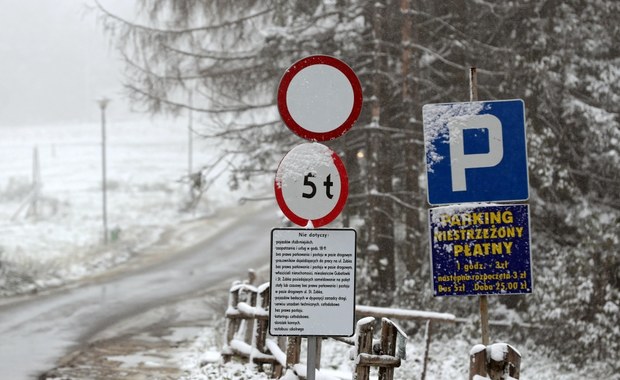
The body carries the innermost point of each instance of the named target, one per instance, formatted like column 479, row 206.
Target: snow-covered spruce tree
column 447, row 38
column 220, row 53
column 569, row 63
column 559, row 57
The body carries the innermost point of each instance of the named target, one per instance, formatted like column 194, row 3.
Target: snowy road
column 37, row 331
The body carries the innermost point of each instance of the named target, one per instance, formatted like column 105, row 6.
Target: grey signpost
column 313, row 270
column 476, row 152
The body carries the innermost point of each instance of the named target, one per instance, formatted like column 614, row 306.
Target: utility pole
column 103, row 103
column 36, row 182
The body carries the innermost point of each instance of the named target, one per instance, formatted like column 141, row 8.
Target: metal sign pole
column 306, row 95
column 311, row 364
column 190, row 133
column 311, row 359
column 484, row 302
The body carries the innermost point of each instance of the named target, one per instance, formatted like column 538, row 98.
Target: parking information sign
column 475, row 152
column 478, row 250
column 312, row 282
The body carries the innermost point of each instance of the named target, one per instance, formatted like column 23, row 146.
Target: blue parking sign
column 475, row 152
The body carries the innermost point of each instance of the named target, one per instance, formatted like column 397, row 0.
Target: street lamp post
column 190, row 133
column 103, row 103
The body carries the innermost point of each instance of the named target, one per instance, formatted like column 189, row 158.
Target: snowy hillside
column 59, row 237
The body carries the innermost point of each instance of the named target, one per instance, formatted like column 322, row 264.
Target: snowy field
column 59, row 238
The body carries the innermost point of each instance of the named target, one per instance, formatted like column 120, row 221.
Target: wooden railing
column 247, row 319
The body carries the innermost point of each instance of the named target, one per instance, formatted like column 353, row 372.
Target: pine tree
column 571, row 68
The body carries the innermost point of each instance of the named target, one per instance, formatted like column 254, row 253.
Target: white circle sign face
column 311, row 185
column 319, row 98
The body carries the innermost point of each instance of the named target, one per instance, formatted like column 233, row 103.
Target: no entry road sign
column 475, row 152
column 311, row 184
column 319, row 98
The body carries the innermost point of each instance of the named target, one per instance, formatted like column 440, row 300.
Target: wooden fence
column 247, row 318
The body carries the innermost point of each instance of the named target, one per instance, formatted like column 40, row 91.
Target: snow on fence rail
column 404, row 314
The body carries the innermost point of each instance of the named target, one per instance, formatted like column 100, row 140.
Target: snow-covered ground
column 448, row 360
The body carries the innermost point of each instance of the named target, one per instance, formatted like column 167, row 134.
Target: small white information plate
column 312, row 282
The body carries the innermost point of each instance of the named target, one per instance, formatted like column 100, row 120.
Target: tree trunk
column 411, row 251
column 381, row 228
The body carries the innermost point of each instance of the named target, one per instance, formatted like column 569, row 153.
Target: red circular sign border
column 288, row 76
column 329, row 217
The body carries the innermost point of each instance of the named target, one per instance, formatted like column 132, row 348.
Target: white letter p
column 459, row 161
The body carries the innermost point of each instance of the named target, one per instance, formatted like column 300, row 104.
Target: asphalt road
column 37, row 331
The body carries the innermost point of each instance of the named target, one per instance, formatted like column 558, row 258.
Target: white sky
column 55, row 62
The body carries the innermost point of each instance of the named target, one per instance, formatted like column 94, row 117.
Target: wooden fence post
column 293, row 351
column 262, row 324
column 250, row 298
column 499, row 361
column 388, row 347
column 249, row 323
column 364, row 333
column 384, row 354
column 232, row 324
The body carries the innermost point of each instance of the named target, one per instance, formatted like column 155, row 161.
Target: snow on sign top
column 475, row 152
column 319, row 98
column 311, row 185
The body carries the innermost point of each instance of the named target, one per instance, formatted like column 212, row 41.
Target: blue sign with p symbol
column 475, row 152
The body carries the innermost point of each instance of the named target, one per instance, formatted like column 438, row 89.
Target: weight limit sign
column 311, row 185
